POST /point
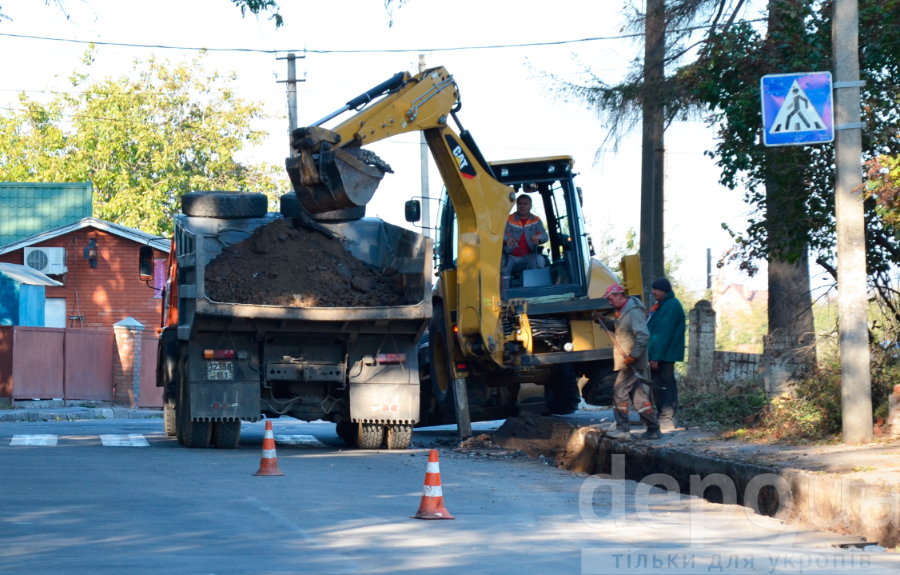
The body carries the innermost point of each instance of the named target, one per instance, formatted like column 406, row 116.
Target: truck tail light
column 390, row 358
column 218, row 354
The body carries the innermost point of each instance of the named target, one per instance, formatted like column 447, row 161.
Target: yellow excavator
column 497, row 342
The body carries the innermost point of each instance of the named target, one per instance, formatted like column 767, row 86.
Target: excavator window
column 565, row 259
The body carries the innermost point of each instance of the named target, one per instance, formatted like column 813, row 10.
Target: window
column 55, row 312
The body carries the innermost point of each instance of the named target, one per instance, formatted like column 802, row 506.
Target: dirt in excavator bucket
column 335, row 179
column 283, row 266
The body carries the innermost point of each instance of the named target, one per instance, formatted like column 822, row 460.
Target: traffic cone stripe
column 433, row 491
column 433, row 467
column 268, row 454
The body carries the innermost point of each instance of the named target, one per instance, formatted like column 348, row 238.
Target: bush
column 722, row 405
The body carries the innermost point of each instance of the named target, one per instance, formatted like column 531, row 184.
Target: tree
column 143, row 140
column 255, row 7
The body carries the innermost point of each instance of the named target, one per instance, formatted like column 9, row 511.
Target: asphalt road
column 118, row 497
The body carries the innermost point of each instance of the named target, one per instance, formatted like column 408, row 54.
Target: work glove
column 629, row 360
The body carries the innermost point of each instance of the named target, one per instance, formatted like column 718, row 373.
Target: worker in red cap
column 630, row 354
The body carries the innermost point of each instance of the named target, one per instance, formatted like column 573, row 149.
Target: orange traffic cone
column 432, row 506
column 268, row 465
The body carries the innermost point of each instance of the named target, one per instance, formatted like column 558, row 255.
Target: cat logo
column 465, row 166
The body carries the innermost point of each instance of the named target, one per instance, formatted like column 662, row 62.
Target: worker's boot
column 650, row 434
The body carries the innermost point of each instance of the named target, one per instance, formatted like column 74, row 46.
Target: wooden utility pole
column 423, row 150
column 652, row 146
column 856, row 380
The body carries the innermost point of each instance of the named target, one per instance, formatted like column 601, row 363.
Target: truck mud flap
column 384, row 403
column 231, row 401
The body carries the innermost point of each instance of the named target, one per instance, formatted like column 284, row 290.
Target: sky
column 508, row 106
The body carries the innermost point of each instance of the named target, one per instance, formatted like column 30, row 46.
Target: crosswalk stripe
column 308, row 440
column 32, row 440
column 132, row 440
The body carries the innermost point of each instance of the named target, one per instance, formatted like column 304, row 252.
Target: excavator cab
column 555, row 200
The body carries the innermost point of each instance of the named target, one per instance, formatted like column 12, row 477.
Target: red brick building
column 95, row 296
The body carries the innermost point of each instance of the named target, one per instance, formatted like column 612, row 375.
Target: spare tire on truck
column 290, row 208
column 225, row 205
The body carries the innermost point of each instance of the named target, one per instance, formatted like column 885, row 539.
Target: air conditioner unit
column 51, row 261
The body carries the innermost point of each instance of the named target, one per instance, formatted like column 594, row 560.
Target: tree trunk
column 652, row 150
column 790, row 344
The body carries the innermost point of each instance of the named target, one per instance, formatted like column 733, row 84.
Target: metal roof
column 26, row 275
column 157, row 242
column 29, row 208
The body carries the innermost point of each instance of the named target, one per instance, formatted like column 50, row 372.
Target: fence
column 71, row 364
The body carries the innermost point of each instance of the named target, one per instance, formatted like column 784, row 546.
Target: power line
column 367, row 51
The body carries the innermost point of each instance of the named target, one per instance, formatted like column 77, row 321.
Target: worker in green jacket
column 666, row 346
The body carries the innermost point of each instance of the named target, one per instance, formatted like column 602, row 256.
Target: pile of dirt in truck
column 283, row 266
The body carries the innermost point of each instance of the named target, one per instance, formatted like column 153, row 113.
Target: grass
column 725, row 407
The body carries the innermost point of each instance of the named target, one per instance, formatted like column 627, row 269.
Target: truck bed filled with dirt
column 282, row 266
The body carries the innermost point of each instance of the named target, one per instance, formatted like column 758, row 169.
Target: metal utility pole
column 856, row 380
column 652, row 146
column 292, row 95
column 423, row 147
column 709, row 278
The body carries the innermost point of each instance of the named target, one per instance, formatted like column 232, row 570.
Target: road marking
column 18, row 440
column 307, row 440
column 124, row 441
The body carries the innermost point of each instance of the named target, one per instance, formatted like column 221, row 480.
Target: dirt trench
column 282, row 266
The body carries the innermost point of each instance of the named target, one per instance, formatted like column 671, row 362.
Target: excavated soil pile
column 280, row 265
column 549, row 438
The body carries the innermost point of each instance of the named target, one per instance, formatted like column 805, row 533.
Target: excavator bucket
column 335, row 178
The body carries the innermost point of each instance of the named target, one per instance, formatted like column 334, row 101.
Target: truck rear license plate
column 219, row 370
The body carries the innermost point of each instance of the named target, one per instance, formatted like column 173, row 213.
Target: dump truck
column 494, row 338
column 221, row 363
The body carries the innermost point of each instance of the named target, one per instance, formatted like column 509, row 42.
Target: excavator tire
column 226, row 205
column 290, row 208
column 369, row 435
column 563, row 396
column 439, row 366
column 599, row 387
column 399, row 436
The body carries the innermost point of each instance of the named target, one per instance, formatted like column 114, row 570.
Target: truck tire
column 194, row 433
column 169, row 415
column 370, row 435
column 290, row 208
column 562, row 396
column 226, row 434
column 226, row 205
column 399, row 436
column 439, row 365
column 348, row 431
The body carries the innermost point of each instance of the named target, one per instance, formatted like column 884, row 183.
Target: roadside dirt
column 283, row 266
column 557, row 442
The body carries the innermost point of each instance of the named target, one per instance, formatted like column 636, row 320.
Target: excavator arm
column 332, row 171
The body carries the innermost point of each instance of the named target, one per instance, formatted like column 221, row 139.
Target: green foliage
column 797, row 181
column 727, row 406
column 257, row 6
column 143, row 140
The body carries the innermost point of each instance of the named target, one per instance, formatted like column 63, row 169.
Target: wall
column 733, row 366
column 72, row 364
column 105, row 294
column 705, row 364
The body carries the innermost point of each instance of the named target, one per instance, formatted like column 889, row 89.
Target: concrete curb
column 828, row 502
column 77, row 413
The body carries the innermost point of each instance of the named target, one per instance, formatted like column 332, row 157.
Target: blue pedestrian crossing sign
column 797, row 109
